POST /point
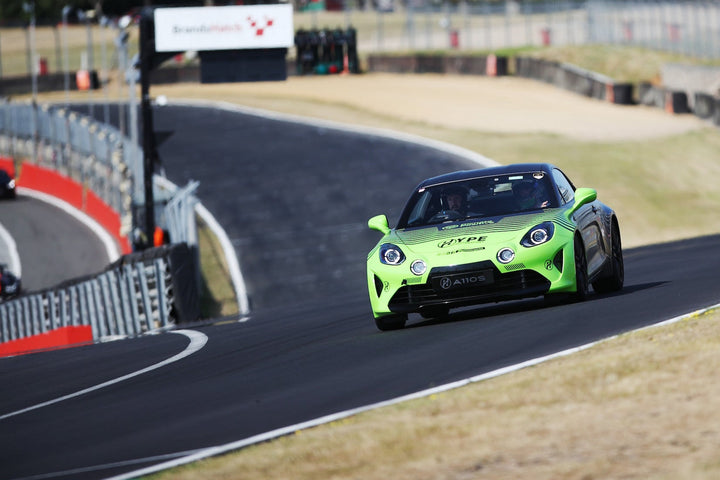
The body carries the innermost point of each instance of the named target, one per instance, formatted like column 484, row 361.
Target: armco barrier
column 454, row 64
column 140, row 292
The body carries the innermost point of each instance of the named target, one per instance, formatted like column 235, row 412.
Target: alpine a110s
column 490, row 235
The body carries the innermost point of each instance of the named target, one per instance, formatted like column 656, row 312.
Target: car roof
column 486, row 172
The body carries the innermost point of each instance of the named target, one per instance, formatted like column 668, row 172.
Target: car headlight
column 11, row 184
column 506, row 255
column 391, row 254
column 538, row 235
column 418, row 267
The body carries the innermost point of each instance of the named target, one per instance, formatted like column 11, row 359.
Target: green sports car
column 489, row 235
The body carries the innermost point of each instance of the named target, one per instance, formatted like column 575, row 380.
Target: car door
column 587, row 218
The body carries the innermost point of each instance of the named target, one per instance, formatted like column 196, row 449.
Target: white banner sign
column 223, row 28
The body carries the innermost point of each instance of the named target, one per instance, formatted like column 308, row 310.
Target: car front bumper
column 547, row 268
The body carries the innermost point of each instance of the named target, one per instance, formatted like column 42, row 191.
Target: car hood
column 471, row 235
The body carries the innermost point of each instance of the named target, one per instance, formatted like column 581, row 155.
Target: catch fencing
column 141, row 292
column 688, row 27
column 94, row 155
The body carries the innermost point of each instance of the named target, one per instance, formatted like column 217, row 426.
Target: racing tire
column 582, row 286
column 615, row 280
column 390, row 322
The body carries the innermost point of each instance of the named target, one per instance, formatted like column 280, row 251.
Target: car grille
column 470, row 287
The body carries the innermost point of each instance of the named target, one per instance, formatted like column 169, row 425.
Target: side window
column 566, row 190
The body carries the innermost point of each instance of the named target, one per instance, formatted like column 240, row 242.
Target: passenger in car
column 525, row 196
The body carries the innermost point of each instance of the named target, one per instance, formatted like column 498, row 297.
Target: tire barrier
column 141, row 292
column 489, row 65
column 705, row 105
column 575, row 79
column 326, row 51
column 671, row 101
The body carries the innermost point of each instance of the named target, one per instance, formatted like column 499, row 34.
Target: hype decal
column 451, row 242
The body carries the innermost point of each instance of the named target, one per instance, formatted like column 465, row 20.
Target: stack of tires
column 326, row 51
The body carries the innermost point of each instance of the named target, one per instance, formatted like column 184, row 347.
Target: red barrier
column 62, row 337
column 49, row 181
column 107, row 217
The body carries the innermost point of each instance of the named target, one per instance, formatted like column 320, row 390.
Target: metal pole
column 121, row 44
column 104, row 22
column 58, row 56
column 32, row 49
column 146, row 60
column 66, row 54
column 88, row 29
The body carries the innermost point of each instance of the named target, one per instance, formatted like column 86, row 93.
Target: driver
column 454, row 198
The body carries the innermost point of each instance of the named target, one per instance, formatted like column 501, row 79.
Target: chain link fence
column 688, row 27
column 90, row 153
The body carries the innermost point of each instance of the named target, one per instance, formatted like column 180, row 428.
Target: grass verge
column 217, row 298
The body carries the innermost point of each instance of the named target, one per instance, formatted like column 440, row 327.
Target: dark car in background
column 9, row 283
column 7, row 185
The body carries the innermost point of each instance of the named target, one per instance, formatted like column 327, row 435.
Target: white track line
column 111, row 247
column 264, row 437
column 197, row 341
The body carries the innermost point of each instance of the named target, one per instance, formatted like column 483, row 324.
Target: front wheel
column 390, row 322
column 581, row 272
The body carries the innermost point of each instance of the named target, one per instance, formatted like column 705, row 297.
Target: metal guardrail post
column 162, row 297
column 145, row 293
column 62, row 298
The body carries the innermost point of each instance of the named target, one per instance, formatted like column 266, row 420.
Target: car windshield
column 479, row 198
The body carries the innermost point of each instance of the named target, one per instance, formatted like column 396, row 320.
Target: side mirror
column 583, row 196
column 379, row 223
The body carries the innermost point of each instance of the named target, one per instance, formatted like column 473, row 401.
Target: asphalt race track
column 52, row 245
column 301, row 356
